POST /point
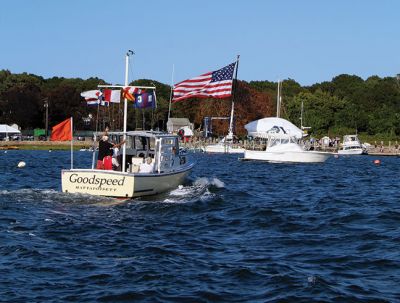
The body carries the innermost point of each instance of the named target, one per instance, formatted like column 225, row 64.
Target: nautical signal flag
column 62, row 131
column 129, row 93
column 216, row 84
column 112, row 95
column 145, row 99
column 92, row 97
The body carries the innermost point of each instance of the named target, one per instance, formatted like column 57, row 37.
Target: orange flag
column 62, row 131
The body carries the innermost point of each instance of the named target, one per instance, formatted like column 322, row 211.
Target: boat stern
column 98, row 183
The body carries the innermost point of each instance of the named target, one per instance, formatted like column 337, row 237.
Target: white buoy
column 21, row 164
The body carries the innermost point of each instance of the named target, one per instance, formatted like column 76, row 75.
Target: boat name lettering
column 74, row 178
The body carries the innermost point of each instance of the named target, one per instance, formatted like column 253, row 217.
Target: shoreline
column 44, row 145
column 77, row 145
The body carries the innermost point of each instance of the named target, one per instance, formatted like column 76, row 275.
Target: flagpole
column 153, row 107
column 72, row 143
column 234, row 85
column 170, row 96
column 129, row 53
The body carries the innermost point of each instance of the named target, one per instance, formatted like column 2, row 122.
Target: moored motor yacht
column 283, row 148
column 351, row 146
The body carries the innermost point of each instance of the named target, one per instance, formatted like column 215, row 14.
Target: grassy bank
column 44, row 145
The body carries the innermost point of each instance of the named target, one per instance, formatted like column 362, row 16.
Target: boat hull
column 226, row 149
column 118, row 184
column 288, row 156
column 351, row 152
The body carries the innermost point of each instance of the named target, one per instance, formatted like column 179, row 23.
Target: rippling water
column 236, row 232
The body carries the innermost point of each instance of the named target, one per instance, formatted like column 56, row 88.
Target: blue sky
column 309, row 41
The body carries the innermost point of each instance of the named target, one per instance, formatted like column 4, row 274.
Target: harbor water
column 235, row 232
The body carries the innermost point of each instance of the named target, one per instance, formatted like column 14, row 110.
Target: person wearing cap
column 105, row 149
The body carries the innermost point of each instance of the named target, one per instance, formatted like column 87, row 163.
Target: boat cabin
column 162, row 148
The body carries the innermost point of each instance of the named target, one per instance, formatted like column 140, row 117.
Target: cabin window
column 170, row 141
column 141, row 143
column 152, row 144
column 129, row 141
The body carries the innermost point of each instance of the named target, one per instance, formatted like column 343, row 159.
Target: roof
column 4, row 128
column 179, row 121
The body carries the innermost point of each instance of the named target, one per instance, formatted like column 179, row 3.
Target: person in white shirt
column 147, row 166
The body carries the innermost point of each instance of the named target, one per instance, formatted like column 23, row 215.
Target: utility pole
column 46, row 106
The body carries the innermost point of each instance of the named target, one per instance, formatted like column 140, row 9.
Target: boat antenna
column 170, row 95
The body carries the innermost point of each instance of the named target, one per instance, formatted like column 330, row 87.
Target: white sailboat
column 170, row 167
column 226, row 145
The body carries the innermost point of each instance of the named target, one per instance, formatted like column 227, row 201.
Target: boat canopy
column 262, row 128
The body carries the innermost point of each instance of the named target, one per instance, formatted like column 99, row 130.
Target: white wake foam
column 198, row 191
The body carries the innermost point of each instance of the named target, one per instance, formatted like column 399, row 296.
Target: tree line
column 346, row 104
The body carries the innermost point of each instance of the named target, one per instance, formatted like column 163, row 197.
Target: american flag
column 216, row 84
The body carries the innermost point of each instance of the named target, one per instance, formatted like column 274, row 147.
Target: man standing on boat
column 104, row 158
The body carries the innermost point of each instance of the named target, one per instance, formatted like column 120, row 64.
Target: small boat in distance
column 226, row 145
column 351, row 146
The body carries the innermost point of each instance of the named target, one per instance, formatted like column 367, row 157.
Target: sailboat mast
column 171, row 93
column 278, row 100
column 301, row 115
column 230, row 130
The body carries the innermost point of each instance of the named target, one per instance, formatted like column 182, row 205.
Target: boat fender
column 182, row 160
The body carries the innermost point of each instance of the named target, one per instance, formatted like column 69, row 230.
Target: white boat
column 227, row 145
column 281, row 137
column 224, row 146
column 170, row 166
column 351, row 146
column 283, row 148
